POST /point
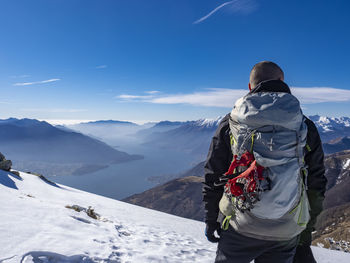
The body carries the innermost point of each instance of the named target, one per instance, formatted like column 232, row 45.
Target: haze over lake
column 121, row 180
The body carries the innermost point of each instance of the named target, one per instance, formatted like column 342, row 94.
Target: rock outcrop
column 5, row 164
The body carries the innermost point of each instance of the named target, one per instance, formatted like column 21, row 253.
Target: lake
column 122, row 180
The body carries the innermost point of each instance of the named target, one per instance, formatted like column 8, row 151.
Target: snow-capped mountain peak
column 208, row 123
column 331, row 128
column 330, row 123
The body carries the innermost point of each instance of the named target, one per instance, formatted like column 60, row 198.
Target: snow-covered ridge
column 45, row 222
column 36, row 223
column 328, row 124
column 346, row 164
column 208, row 123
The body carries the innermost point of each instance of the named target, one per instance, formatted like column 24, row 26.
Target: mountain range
column 194, row 136
column 331, row 128
column 33, row 144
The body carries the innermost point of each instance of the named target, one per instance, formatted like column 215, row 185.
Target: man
column 265, row 77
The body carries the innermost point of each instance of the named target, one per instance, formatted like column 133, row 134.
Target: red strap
column 249, row 174
column 245, row 160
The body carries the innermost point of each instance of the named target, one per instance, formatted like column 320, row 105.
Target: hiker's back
column 271, row 126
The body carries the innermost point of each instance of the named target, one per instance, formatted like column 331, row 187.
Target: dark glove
column 304, row 254
column 305, row 238
column 210, row 229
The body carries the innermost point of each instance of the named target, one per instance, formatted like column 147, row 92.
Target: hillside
column 331, row 228
column 337, row 145
column 179, row 193
column 197, row 170
column 181, row 197
column 338, row 176
column 37, row 145
column 56, row 223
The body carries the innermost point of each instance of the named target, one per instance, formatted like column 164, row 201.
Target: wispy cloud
column 310, row 95
column 234, row 6
column 54, row 110
column 6, row 102
column 133, row 97
column 20, row 76
column 64, row 121
column 35, row 82
column 101, row 66
column 210, row 98
column 152, row 92
column 128, row 97
column 226, row 97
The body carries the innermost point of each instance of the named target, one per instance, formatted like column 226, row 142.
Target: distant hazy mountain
column 125, row 123
column 193, row 137
column 111, row 132
column 159, row 127
column 337, row 145
column 27, row 140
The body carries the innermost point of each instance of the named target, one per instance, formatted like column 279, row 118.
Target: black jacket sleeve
column 316, row 180
column 217, row 163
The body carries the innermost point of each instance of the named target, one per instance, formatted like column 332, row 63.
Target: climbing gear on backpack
column 244, row 187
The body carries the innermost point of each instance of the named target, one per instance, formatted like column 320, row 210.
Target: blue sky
column 152, row 60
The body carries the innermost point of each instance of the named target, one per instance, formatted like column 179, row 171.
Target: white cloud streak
column 234, row 6
column 54, row 110
column 64, row 121
column 6, row 102
column 214, row 11
column 211, row 98
column 133, row 97
column 20, row 76
column 101, row 66
column 226, row 97
column 320, row 94
column 35, row 82
column 152, row 92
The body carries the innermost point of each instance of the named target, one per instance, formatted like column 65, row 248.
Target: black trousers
column 236, row 248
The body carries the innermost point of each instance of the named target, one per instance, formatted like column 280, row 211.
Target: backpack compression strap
column 245, row 160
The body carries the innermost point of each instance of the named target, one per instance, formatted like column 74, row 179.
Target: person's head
column 264, row 70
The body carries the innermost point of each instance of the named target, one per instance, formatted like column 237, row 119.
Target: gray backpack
column 269, row 125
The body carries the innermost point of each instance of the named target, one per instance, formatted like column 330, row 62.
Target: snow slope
column 36, row 226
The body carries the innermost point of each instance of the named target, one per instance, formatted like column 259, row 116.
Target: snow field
column 36, row 226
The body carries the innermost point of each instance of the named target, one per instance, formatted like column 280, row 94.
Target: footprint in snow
column 50, row 257
column 121, row 230
column 81, row 219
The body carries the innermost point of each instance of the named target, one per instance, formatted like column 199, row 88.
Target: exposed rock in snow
column 5, row 164
column 346, row 164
